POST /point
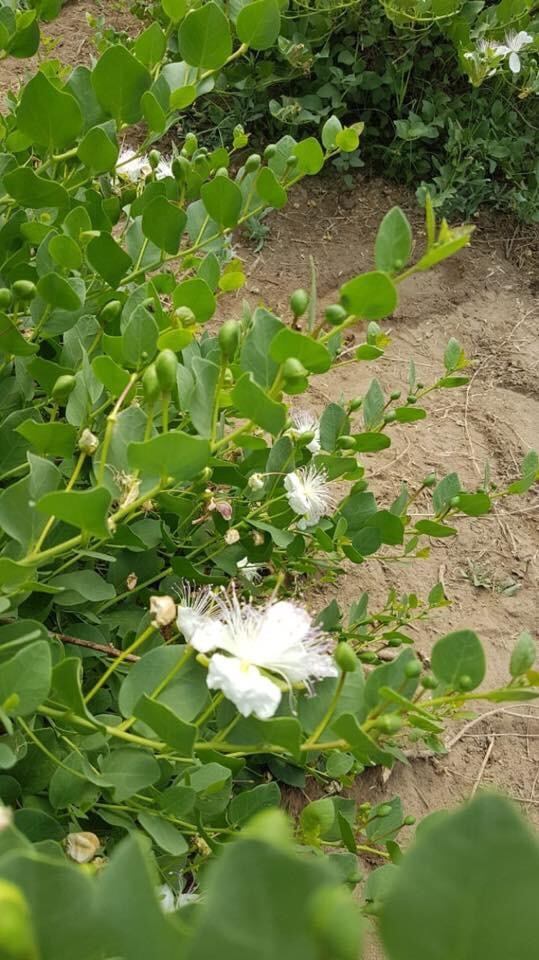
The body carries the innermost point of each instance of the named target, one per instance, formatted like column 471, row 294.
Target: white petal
column 283, row 623
column 210, row 635
column 166, row 898
column 514, row 63
column 244, row 685
column 314, row 446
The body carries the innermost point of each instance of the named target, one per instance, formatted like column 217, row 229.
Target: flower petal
column 514, row 63
column 244, row 685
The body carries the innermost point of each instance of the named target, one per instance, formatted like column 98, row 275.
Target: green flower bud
column 429, row 682
column 409, row 821
column 150, row 384
column 346, row 442
column 24, row 290
column 335, row 314
column 465, row 682
column 390, row 417
column 6, row 297
column 389, row 723
column 411, row 399
column 177, row 169
column 412, row 669
column 154, row 157
column 293, row 369
column 299, row 301
column 253, row 162
column 384, row 810
column 190, row 144
column 395, row 395
column 291, row 161
column 367, row 656
column 63, row 387
column 229, row 338
column 166, row 366
column 110, row 311
column 270, row 151
column 88, row 442
column 345, row 657
column 355, row 404
column 394, row 642
column 429, row 480
column 455, row 501
column 185, row 316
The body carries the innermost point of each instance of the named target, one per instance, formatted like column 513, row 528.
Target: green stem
column 210, row 709
column 119, row 660
column 51, row 521
column 158, row 690
column 111, row 420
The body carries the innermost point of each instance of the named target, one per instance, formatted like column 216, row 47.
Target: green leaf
column 347, row 140
column 139, row 339
column 393, row 246
column 108, row 259
column 390, row 527
column 445, row 490
column 182, row 97
column 54, row 439
column 431, row 528
column 474, row 504
column 47, row 115
column 12, row 341
column 370, row 296
column 119, row 81
column 204, row 37
column 269, row 189
column 167, row 725
column 163, row 223
column 82, row 585
column 17, row 518
column 331, row 128
column 164, row 834
column 314, row 356
column 373, row 405
column 98, row 151
column 202, row 399
column 174, row 9
column 249, row 802
column 197, row 295
column 458, row 655
column 258, row 24
column 150, row 45
column 58, row 292
column 85, row 509
column 524, row 655
column 25, row 679
column 409, row 414
column 255, row 354
column 34, row 192
column 461, row 238
column 173, row 454
column 254, row 404
column 310, row 156
column 529, row 474
column 454, row 356
column 65, row 252
column 67, row 683
column 371, row 442
column 368, row 352
column 186, row 694
column 430, row 911
column 110, row 374
column 333, row 422
column 362, row 746
column 223, row 200
column 130, row 770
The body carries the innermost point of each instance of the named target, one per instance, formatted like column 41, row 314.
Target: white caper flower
column 162, row 610
column 308, row 493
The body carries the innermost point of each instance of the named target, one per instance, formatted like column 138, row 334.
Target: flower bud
column 299, row 301
column 88, row 442
column 190, row 144
column 429, row 480
column 232, row 536
column 252, row 163
column 346, row 442
column 384, row 810
column 166, row 366
column 229, row 338
column 293, row 369
column 110, row 311
column 6, row 297
column 162, row 611
column 150, row 384
column 355, row 404
column 82, row 847
column 154, row 157
column 63, row 387
column 185, row 316
column 255, row 482
column 335, row 314
column 388, row 723
column 345, row 657
column 24, row 290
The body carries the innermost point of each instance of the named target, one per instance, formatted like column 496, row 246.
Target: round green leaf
column 65, row 252
column 204, row 37
column 98, row 151
column 163, row 223
column 259, row 23
column 58, row 292
column 119, row 80
column 222, row 199
column 47, row 115
column 310, row 156
column 269, row 189
column 370, row 296
column 393, row 242
column 195, row 294
column 456, row 655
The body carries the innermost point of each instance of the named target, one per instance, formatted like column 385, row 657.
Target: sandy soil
column 489, row 302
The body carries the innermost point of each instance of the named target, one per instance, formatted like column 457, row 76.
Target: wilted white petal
column 244, row 685
column 162, row 611
column 82, row 847
column 166, row 898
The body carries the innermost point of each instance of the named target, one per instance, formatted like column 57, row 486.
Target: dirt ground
column 487, row 298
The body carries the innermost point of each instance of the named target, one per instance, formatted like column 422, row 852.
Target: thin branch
column 107, row 649
column 483, row 766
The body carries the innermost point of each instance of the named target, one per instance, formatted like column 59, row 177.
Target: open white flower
column 195, row 616
column 305, row 422
column 279, row 638
column 248, row 570
column 514, row 43
column 134, row 168
column 308, row 494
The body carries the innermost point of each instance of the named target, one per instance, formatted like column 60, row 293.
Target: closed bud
column 88, row 442
column 411, row 399
column 465, row 682
column 270, row 151
column 190, row 144
column 429, row 480
column 63, row 387
column 166, row 366
column 82, row 847
column 389, row 723
column 24, row 290
column 150, row 384
column 412, row 669
column 395, row 395
column 345, row 657
column 231, row 536
column 409, row 821
column 299, row 301
column 455, row 501
column 6, row 297
column 162, row 611
column 177, row 169
column 291, row 161
column 384, row 810
column 229, row 338
column 390, row 417
column 255, row 482
column 185, row 316
column 335, row 314
column 110, row 311
column 346, row 442
column 293, row 369
column 253, row 162
column 429, row 682
column 355, row 404
column 154, row 157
